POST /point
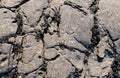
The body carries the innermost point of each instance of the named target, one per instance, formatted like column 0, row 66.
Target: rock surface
column 59, row 39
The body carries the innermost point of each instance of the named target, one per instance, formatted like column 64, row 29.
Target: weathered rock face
column 74, row 27
column 7, row 27
column 32, row 11
column 11, row 3
column 59, row 39
column 31, row 52
column 58, row 69
column 107, row 16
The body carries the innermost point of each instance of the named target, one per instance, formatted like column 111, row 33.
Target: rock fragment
column 7, row 27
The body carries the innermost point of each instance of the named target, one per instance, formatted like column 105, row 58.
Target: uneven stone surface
column 6, row 22
column 59, row 39
column 11, row 3
column 58, row 69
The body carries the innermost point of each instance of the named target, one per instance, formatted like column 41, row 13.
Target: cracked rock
column 77, row 28
column 32, row 11
column 51, row 40
column 59, row 39
column 108, row 14
column 76, row 58
column 5, row 48
column 51, row 53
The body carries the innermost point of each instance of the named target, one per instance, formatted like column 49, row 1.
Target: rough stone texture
column 7, row 27
column 11, row 3
column 32, row 11
column 107, row 16
column 31, row 52
column 75, row 26
column 58, row 69
column 59, row 39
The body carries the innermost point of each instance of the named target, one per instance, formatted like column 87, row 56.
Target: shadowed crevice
column 75, row 6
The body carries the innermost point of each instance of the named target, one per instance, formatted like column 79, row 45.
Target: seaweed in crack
column 3, row 74
column 51, row 19
column 96, row 36
column 9, row 73
column 12, row 65
column 116, row 67
column 115, row 72
column 94, row 6
column 19, row 21
column 75, row 6
column 46, row 25
column 13, row 72
column 112, row 44
column 75, row 74
column 44, row 68
column 39, row 35
column 17, row 48
column 5, row 39
column 96, row 33
column 56, row 19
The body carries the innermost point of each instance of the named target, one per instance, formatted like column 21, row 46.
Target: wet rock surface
column 59, row 39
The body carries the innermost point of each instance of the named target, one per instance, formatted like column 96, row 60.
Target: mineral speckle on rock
column 59, row 39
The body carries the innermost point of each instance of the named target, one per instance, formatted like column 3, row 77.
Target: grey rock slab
column 76, row 58
column 59, row 68
column 56, row 3
column 11, row 3
column 93, row 66
column 118, row 45
column 6, row 25
column 18, row 39
column 12, row 39
column 75, row 25
column 51, row 40
column 31, row 53
column 29, row 67
column 99, row 68
column 71, row 41
column 83, row 3
column 31, row 48
column 5, row 48
column 50, row 53
column 33, row 75
column 108, row 15
column 102, row 47
column 3, row 62
column 27, row 28
column 33, row 10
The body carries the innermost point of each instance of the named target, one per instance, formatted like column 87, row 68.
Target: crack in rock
column 75, row 6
